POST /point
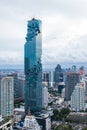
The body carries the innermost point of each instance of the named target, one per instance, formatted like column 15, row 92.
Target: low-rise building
column 18, row 114
column 77, row 117
column 44, row 121
column 31, row 123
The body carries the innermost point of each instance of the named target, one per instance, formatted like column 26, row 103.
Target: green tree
column 64, row 127
column 60, row 115
column 65, row 112
column 85, row 128
column 56, row 114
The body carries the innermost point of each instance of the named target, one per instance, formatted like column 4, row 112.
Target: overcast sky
column 64, row 24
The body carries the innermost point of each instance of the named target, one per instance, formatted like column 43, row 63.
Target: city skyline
column 64, row 30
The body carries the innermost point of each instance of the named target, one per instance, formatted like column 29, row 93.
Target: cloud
column 11, row 57
column 75, row 51
column 64, row 25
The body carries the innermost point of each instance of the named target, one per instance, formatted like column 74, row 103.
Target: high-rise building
column 85, row 79
column 72, row 79
column 6, row 96
column 46, row 78
column 33, row 66
column 78, row 97
column 82, row 71
column 51, row 78
column 16, row 89
column 21, row 84
column 61, row 85
column 45, row 97
column 58, row 75
column 63, row 93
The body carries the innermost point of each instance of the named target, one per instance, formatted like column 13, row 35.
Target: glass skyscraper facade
column 33, row 66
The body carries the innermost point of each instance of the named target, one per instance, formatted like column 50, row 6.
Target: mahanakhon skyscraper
column 33, row 66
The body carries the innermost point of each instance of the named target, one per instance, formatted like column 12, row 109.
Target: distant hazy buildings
column 78, row 97
column 51, row 78
column 33, row 66
column 72, row 79
column 6, row 96
column 46, row 78
column 61, row 85
column 58, row 75
column 74, row 68
column 82, row 71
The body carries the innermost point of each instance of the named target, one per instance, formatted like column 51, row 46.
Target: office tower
column 58, row 75
column 21, row 84
column 46, row 78
column 78, row 97
column 16, row 92
column 33, row 66
column 73, row 68
column 82, row 71
column 72, row 79
column 6, row 96
column 61, row 85
column 16, row 89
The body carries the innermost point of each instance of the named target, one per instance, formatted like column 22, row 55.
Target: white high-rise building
column 45, row 96
column 6, row 96
column 51, row 78
column 78, row 97
column 63, row 93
